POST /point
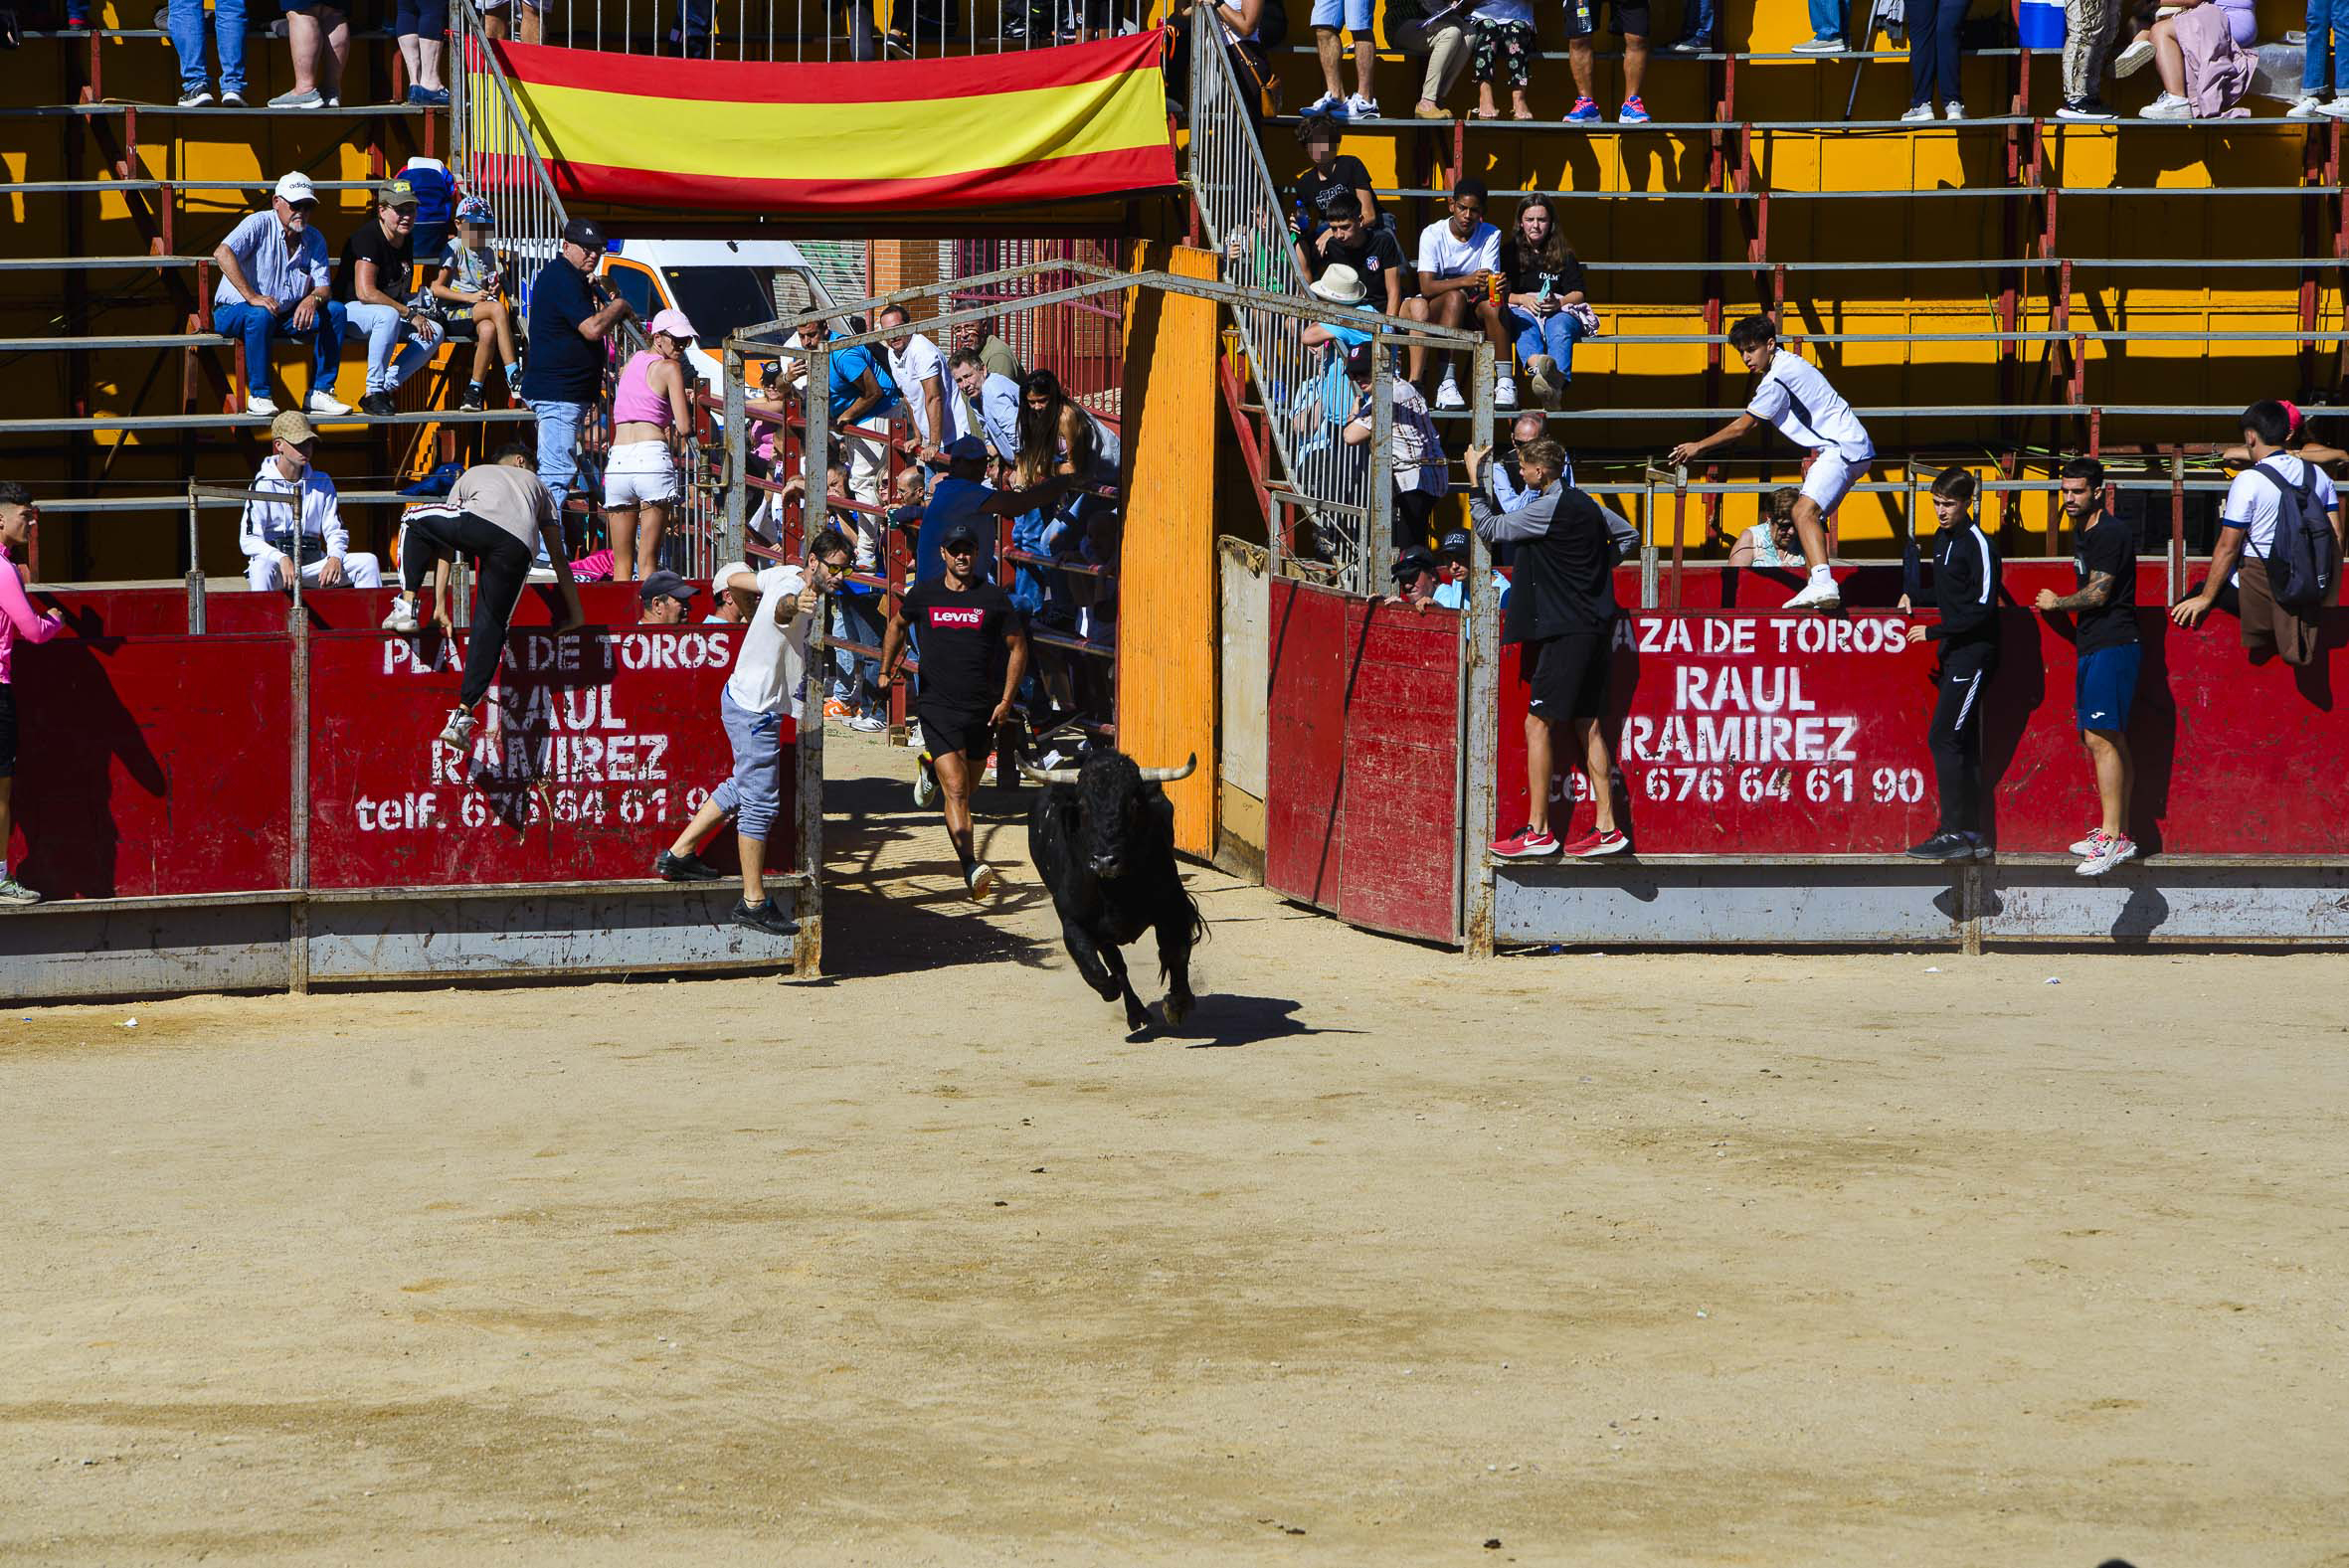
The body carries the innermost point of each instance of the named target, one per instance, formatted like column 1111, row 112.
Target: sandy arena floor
column 1386, row 1258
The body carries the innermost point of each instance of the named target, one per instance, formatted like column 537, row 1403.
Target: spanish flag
column 1043, row 125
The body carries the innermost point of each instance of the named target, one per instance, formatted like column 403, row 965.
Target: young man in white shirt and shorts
column 1794, row 397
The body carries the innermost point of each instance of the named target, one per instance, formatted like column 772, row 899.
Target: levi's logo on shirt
column 947, row 616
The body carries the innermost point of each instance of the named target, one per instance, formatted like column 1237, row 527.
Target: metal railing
column 1240, row 208
column 492, row 155
column 825, row 31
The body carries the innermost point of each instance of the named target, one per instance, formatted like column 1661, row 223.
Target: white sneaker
column 2337, row 108
column 2089, row 846
column 458, row 733
column 1820, row 46
column 1541, row 376
column 2112, row 852
column 1505, row 393
column 1448, row 396
column 2167, row 107
column 254, row 403
column 1359, row 108
column 321, row 402
column 1917, row 112
column 913, row 734
column 980, row 879
column 1953, row 111
column 1330, row 103
column 1821, row 594
column 403, row 617
column 2135, row 57
column 868, row 723
column 2307, row 107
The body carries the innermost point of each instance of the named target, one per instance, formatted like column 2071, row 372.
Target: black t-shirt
column 2109, row 546
column 564, row 367
column 368, row 243
column 1527, row 275
column 1374, row 255
column 1345, row 170
column 962, row 635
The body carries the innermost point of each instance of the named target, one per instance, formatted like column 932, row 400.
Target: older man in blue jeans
column 275, row 281
column 570, row 316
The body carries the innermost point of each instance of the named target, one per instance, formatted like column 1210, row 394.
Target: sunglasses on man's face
column 960, row 550
column 303, row 207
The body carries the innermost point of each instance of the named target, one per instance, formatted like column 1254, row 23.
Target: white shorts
column 641, row 473
column 1832, row 476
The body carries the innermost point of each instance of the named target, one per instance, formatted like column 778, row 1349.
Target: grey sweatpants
column 2087, row 38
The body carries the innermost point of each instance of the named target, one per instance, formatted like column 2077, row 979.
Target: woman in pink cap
column 18, row 618
column 649, row 418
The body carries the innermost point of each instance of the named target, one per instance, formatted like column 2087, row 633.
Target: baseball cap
column 666, row 584
column 719, row 577
column 967, row 449
column 1413, row 562
column 292, row 426
column 1454, row 545
column 474, row 209
column 674, row 322
column 584, row 232
column 394, row 193
column 960, row 534
column 297, row 187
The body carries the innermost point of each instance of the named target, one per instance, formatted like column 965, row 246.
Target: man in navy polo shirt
column 570, row 315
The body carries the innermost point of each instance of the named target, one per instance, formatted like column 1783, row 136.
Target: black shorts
column 1567, row 675
column 947, row 730
column 1630, row 19
column 7, row 737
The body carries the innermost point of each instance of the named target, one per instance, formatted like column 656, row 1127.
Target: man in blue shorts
column 1355, row 15
column 2103, row 607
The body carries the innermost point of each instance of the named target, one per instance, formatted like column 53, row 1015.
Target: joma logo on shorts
column 940, row 616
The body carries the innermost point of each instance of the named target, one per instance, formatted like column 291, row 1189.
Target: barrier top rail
column 1942, row 192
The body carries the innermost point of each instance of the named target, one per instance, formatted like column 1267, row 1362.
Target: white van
column 722, row 285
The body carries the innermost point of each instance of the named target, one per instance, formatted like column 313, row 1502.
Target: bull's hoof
column 1178, row 1007
column 1136, row 1021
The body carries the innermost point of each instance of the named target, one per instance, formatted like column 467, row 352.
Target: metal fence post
column 196, row 615
column 1480, row 714
column 737, row 460
column 1378, row 548
column 297, row 946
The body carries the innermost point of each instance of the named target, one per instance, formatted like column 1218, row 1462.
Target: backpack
column 2301, row 562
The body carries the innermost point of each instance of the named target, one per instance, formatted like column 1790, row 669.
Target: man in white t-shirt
column 1459, row 256
column 769, row 670
column 1793, row 396
column 922, row 381
column 2247, row 538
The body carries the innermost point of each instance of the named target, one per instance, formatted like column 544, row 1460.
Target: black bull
column 1102, row 837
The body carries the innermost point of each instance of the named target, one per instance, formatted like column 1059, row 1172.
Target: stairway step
column 96, row 264
column 139, row 422
column 68, row 345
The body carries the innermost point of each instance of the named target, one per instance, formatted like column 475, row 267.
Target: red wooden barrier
column 163, row 764
column 1362, row 754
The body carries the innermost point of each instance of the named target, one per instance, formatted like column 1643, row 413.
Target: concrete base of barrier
column 290, row 941
column 1863, row 901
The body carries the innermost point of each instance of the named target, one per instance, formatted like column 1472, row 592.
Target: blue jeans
column 1697, row 24
column 384, row 325
column 186, row 26
column 558, row 456
column 1554, row 335
column 1932, row 50
column 1827, row 18
column 857, row 676
column 2328, row 22
column 260, row 329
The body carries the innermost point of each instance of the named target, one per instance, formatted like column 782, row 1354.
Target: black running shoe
column 1943, row 846
column 378, row 406
column 685, row 868
column 764, row 915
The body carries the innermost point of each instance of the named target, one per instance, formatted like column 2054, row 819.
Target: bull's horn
column 1170, row 775
column 1066, row 775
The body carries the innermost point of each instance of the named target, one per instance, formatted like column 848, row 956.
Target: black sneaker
column 1979, row 845
column 1943, row 846
column 2084, row 108
column 378, row 406
column 475, row 400
column 685, row 868
column 764, row 915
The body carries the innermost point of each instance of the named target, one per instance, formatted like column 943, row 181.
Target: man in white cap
column 305, row 531
column 372, row 285
column 274, row 282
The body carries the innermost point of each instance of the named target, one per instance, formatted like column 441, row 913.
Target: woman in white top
column 1773, row 542
column 650, row 416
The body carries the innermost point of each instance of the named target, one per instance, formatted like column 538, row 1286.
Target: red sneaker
column 1595, row 844
column 1525, row 844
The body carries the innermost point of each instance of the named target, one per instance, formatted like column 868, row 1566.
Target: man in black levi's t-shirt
column 973, row 651
column 2103, row 611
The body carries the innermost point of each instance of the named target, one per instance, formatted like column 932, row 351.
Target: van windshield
column 721, row 300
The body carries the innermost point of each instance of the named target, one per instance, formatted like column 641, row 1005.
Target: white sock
column 1821, row 574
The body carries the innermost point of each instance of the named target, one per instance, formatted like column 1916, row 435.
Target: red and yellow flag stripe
column 1045, row 124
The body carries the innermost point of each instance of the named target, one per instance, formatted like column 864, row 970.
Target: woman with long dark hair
column 1544, row 306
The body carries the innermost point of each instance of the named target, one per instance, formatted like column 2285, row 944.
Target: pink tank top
column 633, row 402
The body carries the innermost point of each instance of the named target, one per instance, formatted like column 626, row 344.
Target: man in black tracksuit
column 1966, row 591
